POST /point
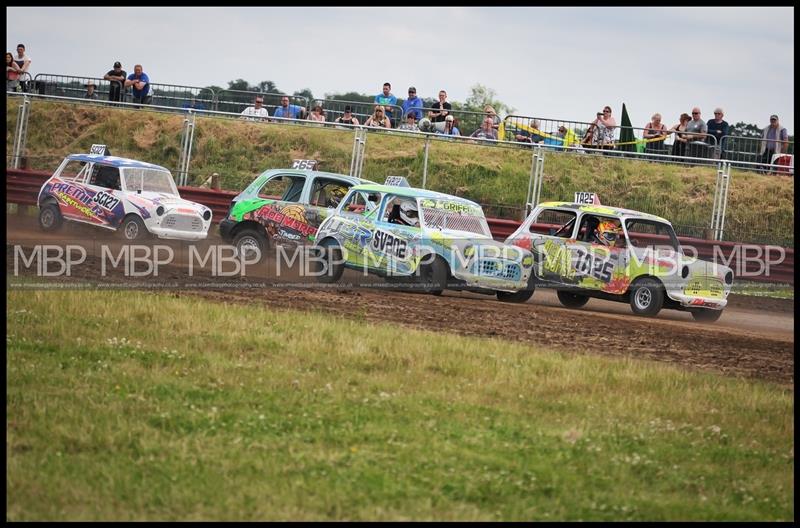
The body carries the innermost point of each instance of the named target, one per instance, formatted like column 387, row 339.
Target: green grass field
column 128, row 405
column 760, row 208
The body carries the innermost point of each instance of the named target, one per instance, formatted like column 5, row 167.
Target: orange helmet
column 607, row 233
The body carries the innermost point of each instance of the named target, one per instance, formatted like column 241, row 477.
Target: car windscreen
column 149, row 180
column 455, row 215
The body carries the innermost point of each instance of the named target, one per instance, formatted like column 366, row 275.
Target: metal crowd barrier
column 745, row 151
column 334, row 108
column 235, row 101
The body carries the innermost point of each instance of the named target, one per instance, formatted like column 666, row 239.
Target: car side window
column 361, row 203
column 104, row 176
column 649, row 234
column 74, row 171
column 288, row 188
column 554, row 222
column 327, row 192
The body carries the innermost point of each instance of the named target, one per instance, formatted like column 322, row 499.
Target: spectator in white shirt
column 256, row 112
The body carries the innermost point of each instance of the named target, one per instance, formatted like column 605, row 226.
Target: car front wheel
column 520, row 296
column 647, row 297
column 572, row 300
column 250, row 244
column 433, row 276
column 704, row 315
column 50, row 218
column 331, row 266
column 133, row 228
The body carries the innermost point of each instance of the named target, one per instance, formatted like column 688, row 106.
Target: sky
column 561, row 63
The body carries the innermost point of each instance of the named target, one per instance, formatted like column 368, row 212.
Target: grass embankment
column 128, row 405
column 760, row 208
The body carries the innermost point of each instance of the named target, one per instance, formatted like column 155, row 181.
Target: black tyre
column 704, row 315
column 433, row 276
column 133, row 228
column 647, row 297
column 332, row 266
column 572, row 300
column 50, row 218
column 522, row 295
column 250, row 244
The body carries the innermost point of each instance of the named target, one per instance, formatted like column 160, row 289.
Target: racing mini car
column 282, row 206
column 428, row 240
column 132, row 197
column 619, row 254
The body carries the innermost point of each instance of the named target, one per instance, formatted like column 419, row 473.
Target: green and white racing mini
column 432, row 240
column 591, row 250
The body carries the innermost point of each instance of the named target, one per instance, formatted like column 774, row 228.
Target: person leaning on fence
column 524, row 136
column 23, row 60
column 486, row 130
column 774, row 140
column 140, row 85
column 569, row 138
column 654, row 133
column 681, row 140
column 378, row 118
column 347, row 117
column 116, row 78
column 450, row 127
column 290, row 111
column 257, row 112
column 440, row 109
column 317, row 114
column 718, row 128
column 413, row 103
column 490, row 112
column 410, row 123
column 12, row 73
column 698, row 148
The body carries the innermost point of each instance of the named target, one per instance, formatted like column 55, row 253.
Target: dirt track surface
column 754, row 338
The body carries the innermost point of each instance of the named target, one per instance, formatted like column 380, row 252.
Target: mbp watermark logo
column 49, row 260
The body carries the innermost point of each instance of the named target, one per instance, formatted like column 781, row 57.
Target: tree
column 482, row 96
column 241, row 85
column 745, row 130
column 268, row 87
column 350, row 96
column 305, row 92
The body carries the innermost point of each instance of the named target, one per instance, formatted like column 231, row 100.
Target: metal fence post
column 362, row 148
column 354, row 154
column 726, row 179
column 21, row 132
column 188, row 157
column 716, row 204
column 425, row 163
column 534, row 166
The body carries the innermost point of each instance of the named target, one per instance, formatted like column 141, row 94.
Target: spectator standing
column 413, row 103
column 410, row 123
column 441, row 109
column 90, row 91
column 24, row 62
column 257, row 112
column 387, row 100
column 289, row 111
column 697, row 143
column 568, row 138
column 524, row 136
column 775, row 140
column 116, row 78
column 12, row 73
column 486, row 131
column 655, row 132
column 492, row 113
column 718, row 128
column 140, row 85
column 450, row 128
column 317, row 114
column 347, row 117
column 681, row 140
column 378, row 118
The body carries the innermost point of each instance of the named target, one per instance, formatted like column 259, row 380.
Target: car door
column 596, row 266
column 391, row 243
column 354, row 225
column 105, row 186
column 323, row 198
column 280, row 207
column 547, row 237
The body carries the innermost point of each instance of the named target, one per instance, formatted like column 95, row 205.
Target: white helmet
column 409, row 213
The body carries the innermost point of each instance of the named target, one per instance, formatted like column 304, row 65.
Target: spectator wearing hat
column 774, row 140
column 410, row 122
column 413, row 104
column 348, row 118
column 140, row 84
column 90, row 91
column 450, row 128
column 116, row 77
column 717, row 128
column 387, row 100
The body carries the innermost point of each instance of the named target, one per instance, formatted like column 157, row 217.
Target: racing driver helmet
column 409, row 213
column 607, row 232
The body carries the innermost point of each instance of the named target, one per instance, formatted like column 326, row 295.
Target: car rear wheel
column 331, row 266
column 433, row 276
column 647, row 297
column 133, row 228
column 250, row 244
column 572, row 300
column 704, row 315
column 50, row 218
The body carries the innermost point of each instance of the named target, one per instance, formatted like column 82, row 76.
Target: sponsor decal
column 290, row 217
column 288, row 235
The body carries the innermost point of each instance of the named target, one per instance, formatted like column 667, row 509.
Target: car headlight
column 207, row 215
column 160, row 210
column 729, row 278
column 685, row 272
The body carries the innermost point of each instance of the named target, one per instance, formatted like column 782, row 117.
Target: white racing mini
column 122, row 194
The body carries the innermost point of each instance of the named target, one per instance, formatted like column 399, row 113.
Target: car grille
column 498, row 269
column 180, row 222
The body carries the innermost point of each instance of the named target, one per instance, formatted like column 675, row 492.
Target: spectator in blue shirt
column 412, row 103
column 387, row 100
column 289, row 111
column 140, row 83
